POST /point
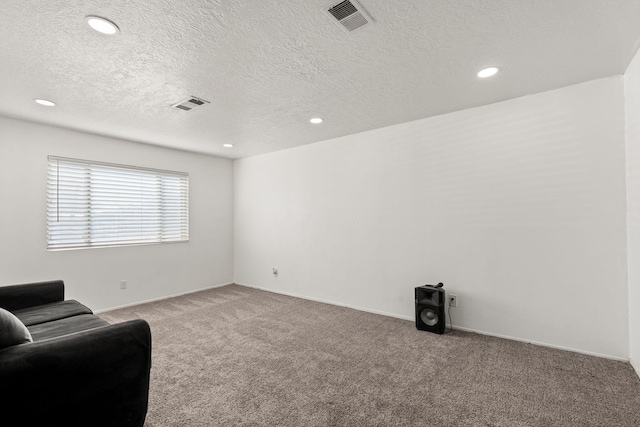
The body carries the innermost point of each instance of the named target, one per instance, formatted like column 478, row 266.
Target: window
column 92, row 204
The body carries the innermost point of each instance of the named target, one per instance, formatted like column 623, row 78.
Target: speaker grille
column 430, row 309
column 429, row 317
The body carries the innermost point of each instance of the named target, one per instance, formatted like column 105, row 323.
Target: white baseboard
column 382, row 313
column 542, row 344
column 161, row 298
column 339, row 304
column 399, row 316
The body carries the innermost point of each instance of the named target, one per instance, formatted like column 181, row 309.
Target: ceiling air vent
column 190, row 103
column 349, row 15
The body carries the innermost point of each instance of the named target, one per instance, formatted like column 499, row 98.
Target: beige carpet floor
column 236, row 356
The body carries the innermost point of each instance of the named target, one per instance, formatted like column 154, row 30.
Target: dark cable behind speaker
column 450, row 321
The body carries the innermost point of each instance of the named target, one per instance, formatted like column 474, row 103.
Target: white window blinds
column 93, row 204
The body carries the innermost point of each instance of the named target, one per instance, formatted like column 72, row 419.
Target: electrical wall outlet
column 123, row 284
column 453, row 300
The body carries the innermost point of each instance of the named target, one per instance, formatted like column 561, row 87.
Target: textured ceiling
column 267, row 67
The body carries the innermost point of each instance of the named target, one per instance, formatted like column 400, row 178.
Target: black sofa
column 79, row 370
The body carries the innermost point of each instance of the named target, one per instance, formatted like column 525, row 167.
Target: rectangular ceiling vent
column 190, row 103
column 349, row 15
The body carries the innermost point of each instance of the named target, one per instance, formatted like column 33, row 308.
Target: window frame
column 103, row 209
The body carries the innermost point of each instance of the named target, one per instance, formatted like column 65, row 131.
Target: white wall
column 632, row 111
column 518, row 207
column 93, row 276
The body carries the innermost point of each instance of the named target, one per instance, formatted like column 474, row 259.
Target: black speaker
column 430, row 309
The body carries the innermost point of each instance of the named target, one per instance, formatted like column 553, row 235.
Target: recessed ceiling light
column 45, row 102
column 102, row 25
column 488, row 72
column 227, row 145
column 316, row 120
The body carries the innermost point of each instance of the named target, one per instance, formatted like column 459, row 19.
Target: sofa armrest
column 15, row 297
column 98, row 377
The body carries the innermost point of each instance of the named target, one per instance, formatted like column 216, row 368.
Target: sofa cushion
column 12, row 330
column 49, row 312
column 69, row 325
